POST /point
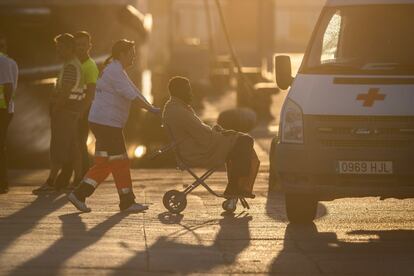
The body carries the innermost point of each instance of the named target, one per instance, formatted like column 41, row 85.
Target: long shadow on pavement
column 21, row 222
column 380, row 252
column 166, row 255
column 74, row 239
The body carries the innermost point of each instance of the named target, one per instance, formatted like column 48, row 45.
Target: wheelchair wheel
column 174, row 201
column 228, row 206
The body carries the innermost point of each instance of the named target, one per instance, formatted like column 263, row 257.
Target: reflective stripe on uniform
column 78, row 91
column 101, row 154
column 124, row 191
column 111, row 157
column 90, row 181
column 118, row 157
column 78, row 94
column 77, row 97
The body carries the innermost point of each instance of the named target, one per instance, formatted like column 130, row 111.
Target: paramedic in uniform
column 8, row 84
column 66, row 107
column 90, row 74
column 109, row 112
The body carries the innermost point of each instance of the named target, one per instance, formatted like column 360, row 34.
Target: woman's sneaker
column 80, row 205
column 135, row 208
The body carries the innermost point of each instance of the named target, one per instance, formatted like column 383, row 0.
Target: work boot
column 83, row 191
column 126, row 200
column 78, row 203
column 45, row 188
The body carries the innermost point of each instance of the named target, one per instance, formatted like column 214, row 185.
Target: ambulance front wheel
column 174, row 201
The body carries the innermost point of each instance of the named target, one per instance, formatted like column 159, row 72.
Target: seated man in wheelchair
column 203, row 146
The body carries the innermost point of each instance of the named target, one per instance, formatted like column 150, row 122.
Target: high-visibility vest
column 78, row 91
column 3, row 104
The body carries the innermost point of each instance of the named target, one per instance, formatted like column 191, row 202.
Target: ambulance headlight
column 291, row 123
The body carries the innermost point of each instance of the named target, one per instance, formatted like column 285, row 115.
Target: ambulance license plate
column 365, row 167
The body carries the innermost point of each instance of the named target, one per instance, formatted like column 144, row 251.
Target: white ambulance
column 347, row 124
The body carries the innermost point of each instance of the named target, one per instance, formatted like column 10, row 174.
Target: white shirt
column 9, row 73
column 114, row 93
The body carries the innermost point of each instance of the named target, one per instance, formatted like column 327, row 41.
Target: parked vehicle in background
column 347, row 124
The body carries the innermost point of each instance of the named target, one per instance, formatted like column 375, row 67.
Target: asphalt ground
column 45, row 235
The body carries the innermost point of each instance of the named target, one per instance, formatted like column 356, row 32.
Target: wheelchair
column 176, row 201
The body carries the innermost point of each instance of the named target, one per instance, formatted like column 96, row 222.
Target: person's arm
column 90, row 94
column 127, row 89
column 141, row 102
column 91, row 75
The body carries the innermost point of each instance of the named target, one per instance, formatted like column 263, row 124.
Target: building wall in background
column 294, row 22
column 180, row 24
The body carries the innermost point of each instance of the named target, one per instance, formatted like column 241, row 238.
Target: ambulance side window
column 330, row 42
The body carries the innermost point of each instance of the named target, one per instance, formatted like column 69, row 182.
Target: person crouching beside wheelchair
column 208, row 147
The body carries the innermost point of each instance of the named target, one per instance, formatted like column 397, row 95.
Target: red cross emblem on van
column 369, row 99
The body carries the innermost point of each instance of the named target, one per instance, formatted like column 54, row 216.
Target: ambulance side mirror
column 283, row 71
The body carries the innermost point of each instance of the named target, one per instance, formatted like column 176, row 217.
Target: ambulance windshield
column 363, row 39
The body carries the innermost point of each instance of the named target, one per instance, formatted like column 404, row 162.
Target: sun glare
column 140, row 151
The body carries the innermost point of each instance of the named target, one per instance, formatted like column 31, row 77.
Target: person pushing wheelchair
column 208, row 147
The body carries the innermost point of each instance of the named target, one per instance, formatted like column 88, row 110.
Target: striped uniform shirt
column 67, row 81
column 69, row 77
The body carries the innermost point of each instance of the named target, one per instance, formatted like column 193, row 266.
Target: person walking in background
column 66, row 107
column 8, row 83
column 108, row 115
column 90, row 73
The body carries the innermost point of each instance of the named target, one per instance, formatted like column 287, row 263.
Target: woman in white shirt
column 108, row 115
